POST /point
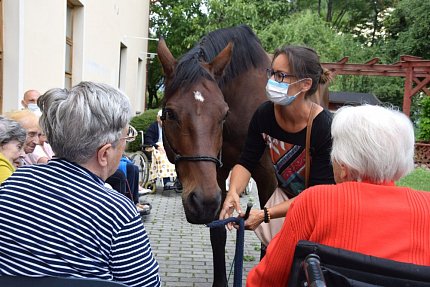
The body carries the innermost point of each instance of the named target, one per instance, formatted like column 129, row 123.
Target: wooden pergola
column 415, row 70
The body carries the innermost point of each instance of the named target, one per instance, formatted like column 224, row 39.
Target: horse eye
column 170, row 115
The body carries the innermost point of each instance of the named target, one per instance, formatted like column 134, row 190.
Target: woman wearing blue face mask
column 281, row 125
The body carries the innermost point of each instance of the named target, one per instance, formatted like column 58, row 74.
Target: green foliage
column 424, row 119
column 409, row 29
column 334, row 28
column 307, row 28
column 256, row 14
column 181, row 23
column 248, row 258
column 418, row 179
column 141, row 123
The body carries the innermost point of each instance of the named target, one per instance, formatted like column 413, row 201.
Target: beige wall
column 43, row 44
column 34, row 50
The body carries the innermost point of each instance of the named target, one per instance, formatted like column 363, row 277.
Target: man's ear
column 23, row 103
column 103, row 153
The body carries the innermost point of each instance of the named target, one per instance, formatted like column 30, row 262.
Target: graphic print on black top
column 289, row 163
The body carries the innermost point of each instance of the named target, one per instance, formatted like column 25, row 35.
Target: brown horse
column 210, row 95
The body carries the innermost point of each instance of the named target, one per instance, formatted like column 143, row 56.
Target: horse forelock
column 247, row 54
column 188, row 72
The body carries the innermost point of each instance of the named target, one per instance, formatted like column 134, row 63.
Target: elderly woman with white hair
column 364, row 212
column 12, row 139
column 59, row 219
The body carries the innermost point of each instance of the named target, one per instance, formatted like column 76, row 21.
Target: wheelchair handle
column 313, row 271
column 142, row 137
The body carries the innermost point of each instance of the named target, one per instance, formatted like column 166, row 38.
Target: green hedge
column 423, row 133
column 141, row 123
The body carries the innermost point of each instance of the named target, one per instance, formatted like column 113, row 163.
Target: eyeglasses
column 278, row 76
column 131, row 134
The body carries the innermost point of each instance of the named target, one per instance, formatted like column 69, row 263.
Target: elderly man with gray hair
column 75, row 226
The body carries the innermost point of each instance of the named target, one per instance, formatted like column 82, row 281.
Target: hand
column 231, row 203
column 161, row 149
column 256, row 217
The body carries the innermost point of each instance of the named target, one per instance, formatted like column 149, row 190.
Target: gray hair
column 79, row 121
column 11, row 130
column 375, row 143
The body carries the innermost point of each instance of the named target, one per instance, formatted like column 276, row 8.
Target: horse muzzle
column 201, row 207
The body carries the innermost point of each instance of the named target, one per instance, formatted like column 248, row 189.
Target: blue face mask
column 278, row 92
column 33, row 107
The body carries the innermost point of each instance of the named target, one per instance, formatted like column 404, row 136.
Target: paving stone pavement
column 183, row 250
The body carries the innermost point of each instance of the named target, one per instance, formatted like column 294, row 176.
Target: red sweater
column 380, row 220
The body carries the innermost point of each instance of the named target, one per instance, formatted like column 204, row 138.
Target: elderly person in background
column 75, row 226
column 43, row 151
column 161, row 168
column 30, row 122
column 12, row 138
column 154, row 134
column 29, row 101
column 364, row 212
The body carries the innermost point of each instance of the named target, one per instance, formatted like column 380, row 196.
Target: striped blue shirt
column 58, row 219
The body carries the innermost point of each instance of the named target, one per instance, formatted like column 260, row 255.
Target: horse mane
column 247, row 53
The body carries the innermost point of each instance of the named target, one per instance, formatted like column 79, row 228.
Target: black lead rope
column 240, row 241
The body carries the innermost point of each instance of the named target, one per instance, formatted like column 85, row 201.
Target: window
column 69, row 47
column 122, row 67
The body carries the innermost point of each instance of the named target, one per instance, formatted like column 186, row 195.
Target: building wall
column 34, row 46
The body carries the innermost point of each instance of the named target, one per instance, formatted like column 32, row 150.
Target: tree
column 409, row 30
column 307, row 28
column 181, row 23
column 334, row 28
column 154, row 78
column 255, row 13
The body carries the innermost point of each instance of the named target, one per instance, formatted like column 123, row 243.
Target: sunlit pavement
column 183, row 250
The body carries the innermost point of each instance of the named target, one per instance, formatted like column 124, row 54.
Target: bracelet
column 266, row 215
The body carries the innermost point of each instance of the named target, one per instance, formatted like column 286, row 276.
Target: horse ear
column 220, row 62
column 168, row 62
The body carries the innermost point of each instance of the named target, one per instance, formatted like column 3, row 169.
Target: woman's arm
column 239, row 179
column 256, row 217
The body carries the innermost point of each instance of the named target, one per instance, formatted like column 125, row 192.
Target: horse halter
column 179, row 157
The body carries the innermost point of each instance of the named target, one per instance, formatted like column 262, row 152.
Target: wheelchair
column 142, row 159
column 321, row 265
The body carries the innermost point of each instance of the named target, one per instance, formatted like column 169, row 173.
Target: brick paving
column 183, row 250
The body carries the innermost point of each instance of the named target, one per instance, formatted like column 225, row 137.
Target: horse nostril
column 194, row 200
column 206, row 206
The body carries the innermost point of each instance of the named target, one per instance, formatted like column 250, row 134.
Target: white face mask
column 278, row 92
column 33, row 107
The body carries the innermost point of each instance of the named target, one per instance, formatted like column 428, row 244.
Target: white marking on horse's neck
column 198, row 96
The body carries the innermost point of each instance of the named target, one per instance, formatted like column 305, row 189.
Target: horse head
column 194, row 111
